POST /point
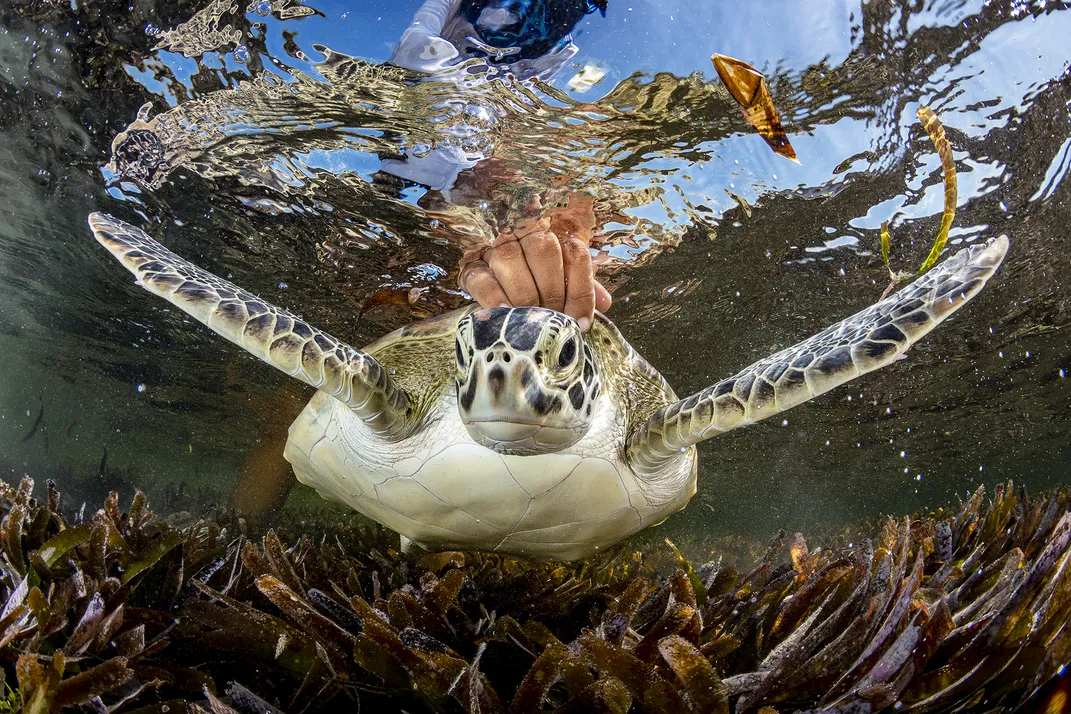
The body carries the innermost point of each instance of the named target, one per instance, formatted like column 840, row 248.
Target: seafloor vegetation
column 112, row 611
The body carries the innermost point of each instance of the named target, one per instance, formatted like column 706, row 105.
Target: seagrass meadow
column 122, row 610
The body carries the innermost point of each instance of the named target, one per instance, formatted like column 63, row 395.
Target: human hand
column 541, row 261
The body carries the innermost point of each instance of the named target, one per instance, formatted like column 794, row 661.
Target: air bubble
column 241, row 54
column 141, row 388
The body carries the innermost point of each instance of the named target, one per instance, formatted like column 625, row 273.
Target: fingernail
column 584, row 323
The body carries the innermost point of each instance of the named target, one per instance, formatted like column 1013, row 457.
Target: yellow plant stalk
column 936, row 131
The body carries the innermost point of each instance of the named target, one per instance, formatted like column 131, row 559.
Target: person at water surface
column 541, row 259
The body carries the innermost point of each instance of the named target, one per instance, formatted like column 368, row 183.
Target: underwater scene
column 410, row 356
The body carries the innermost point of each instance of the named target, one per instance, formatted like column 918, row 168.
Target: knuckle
column 529, row 227
column 478, row 281
column 575, row 250
column 583, row 304
column 543, row 249
column 479, row 291
column 568, row 226
column 529, row 295
column 554, row 296
column 507, row 251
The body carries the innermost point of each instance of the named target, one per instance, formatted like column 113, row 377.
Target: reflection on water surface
column 277, row 145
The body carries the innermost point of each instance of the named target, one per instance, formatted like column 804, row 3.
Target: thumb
column 603, row 299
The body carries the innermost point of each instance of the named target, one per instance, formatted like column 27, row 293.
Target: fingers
column 580, row 285
column 480, row 282
column 603, row 300
column 574, row 225
column 543, row 254
column 542, row 261
column 581, row 293
column 510, row 268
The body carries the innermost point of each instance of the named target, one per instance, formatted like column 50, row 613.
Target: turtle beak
column 498, row 381
column 505, row 406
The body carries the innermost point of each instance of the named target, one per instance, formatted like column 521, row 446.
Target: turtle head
column 526, row 380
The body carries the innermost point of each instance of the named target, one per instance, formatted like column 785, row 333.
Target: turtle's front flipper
column 862, row 343
column 274, row 335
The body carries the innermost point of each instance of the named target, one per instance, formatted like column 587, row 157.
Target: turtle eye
column 567, row 354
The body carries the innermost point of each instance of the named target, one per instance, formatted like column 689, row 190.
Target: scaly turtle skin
column 508, row 429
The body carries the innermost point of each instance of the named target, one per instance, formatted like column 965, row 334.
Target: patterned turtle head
column 526, row 381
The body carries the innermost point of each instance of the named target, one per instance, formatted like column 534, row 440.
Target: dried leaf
column 747, row 86
column 608, row 696
column 88, row 626
column 280, row 564
column 545, row 671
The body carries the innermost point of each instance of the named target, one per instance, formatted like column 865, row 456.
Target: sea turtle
column 510, row 430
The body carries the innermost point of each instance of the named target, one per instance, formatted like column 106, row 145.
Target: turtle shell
column 443, row 491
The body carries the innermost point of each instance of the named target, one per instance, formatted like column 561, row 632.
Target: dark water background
column 263, row 165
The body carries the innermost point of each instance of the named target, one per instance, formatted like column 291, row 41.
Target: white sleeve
column 546, row 65
column 421, row 48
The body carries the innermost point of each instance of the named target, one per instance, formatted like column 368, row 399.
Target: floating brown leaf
column 747, row 86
